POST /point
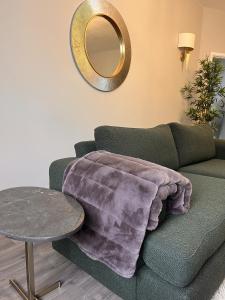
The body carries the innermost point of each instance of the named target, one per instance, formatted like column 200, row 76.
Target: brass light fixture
column 186, row 44
column 100, row 44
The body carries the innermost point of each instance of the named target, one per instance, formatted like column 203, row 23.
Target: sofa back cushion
column 194, row 143
column 85, row 147
column 153, row 144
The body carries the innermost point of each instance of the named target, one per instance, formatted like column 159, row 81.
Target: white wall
column 46, row 106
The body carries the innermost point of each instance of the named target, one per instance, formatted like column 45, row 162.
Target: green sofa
column 184, row 258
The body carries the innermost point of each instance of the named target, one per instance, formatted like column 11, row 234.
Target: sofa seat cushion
column 194, row 143
column 152, row 144
column 212, row 167
column 178, row 249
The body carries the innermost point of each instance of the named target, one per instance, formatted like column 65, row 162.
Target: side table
column 34, row 215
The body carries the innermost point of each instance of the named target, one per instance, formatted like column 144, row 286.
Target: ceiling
column 217, row 4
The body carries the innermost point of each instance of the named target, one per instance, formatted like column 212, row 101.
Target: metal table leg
column 19, row 289
column 30, row 269
column 31, row 294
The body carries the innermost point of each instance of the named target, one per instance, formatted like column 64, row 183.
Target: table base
column 31, row 294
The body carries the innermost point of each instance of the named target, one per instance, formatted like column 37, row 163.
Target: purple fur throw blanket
column 122, row 198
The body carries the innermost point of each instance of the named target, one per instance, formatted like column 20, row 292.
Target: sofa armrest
column 220, row 148
column 56, row 171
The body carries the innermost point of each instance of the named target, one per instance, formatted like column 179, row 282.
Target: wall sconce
column 186, row 44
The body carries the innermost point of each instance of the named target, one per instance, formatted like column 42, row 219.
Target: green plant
column 206, row 94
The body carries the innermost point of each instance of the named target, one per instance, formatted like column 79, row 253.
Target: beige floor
column 49, row 267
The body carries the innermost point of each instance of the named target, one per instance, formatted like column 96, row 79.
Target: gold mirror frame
column 82, row 16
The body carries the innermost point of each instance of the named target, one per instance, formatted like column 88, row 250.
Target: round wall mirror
column 103, row 46
column 100, row 44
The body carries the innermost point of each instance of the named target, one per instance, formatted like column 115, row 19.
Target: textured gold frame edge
column 81, row 18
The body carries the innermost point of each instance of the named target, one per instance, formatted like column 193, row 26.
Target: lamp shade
column 186, row 40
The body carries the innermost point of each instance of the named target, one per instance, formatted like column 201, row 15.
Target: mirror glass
column 103, row 46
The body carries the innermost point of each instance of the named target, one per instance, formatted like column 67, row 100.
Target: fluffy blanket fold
column 122, row 198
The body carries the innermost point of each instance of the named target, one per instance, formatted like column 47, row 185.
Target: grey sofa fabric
column 56, row 171
column 85, row 147
column 151, row 287
column 152, row 144
column 193, row 143
column 220, row 149
column 181, row 246
column 211, row 167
